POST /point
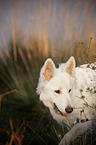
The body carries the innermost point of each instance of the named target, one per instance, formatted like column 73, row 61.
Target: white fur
column 82, row 82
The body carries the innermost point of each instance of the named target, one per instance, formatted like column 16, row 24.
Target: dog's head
column 55, row 86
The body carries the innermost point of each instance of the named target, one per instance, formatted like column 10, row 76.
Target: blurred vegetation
column 23, row 118
column 21, row 111
column 20, row 106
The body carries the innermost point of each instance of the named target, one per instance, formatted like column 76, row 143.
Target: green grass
column 22, row 106
column 37, row 121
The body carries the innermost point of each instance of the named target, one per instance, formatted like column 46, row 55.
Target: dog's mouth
column 57, row 110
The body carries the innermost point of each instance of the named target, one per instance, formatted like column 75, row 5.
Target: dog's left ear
column 71, row 66
column 47, row 70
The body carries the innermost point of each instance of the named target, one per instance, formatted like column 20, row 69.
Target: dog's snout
column 68, row 109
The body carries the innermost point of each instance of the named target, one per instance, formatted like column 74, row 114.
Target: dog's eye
column 57, row 91
column 69, row 91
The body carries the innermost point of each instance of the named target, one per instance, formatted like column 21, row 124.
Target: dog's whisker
column 79, row 108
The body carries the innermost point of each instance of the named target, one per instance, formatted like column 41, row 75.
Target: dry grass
column 57, row 27
column 32, row 31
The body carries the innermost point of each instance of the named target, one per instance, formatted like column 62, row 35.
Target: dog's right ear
column 71, row 66
column 47, row 70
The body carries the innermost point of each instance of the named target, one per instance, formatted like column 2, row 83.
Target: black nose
column 69, row 109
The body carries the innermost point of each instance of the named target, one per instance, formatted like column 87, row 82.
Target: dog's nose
column 69, row 109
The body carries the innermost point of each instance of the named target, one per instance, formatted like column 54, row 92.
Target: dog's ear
column 47, row 70
column 71, row 66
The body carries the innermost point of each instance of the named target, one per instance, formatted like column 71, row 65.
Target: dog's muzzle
column 68, row 110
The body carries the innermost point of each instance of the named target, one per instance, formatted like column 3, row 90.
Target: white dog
column 69, row 92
